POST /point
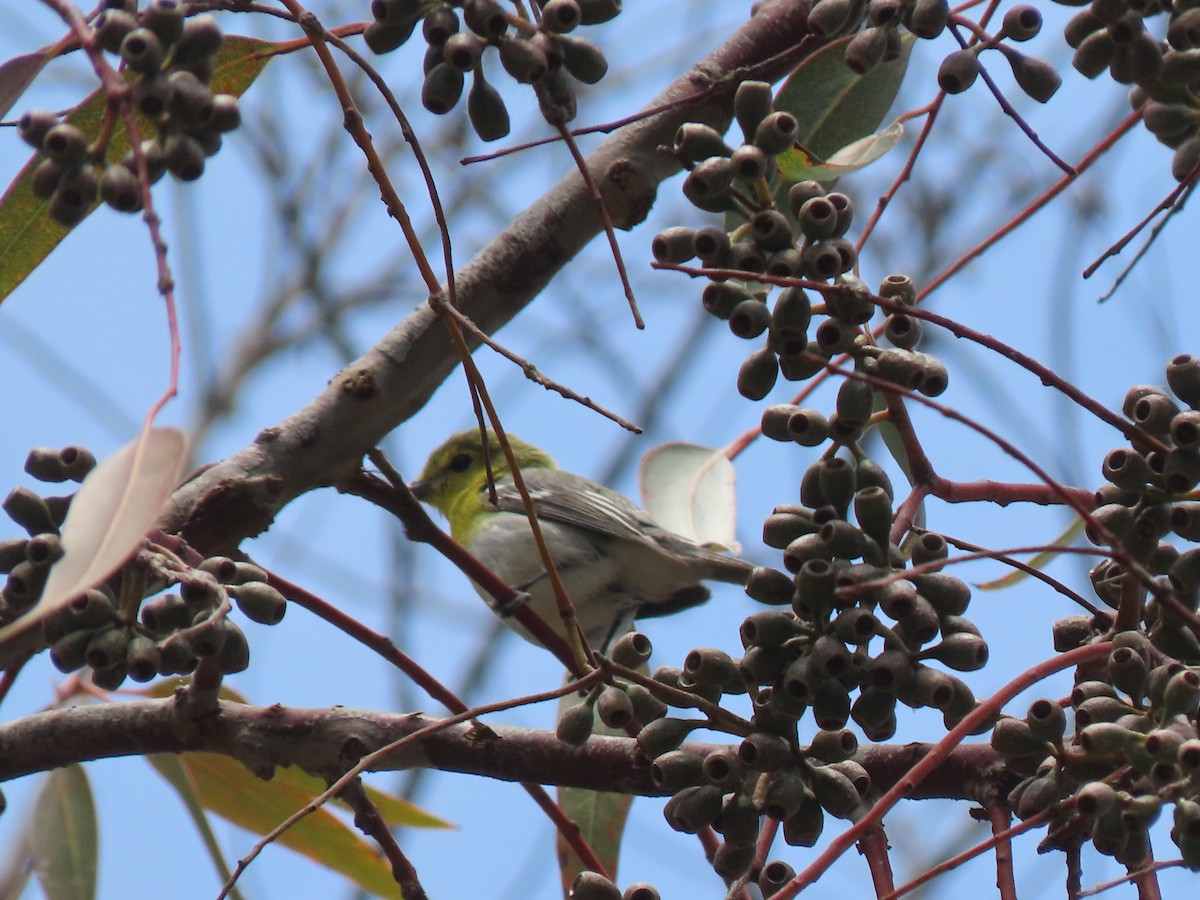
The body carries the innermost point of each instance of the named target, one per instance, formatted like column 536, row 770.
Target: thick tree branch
column 326, row 742
column 324, row 443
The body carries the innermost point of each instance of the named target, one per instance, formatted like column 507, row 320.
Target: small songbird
column 616, row 563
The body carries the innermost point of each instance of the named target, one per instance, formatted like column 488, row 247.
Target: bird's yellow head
column 455, row 471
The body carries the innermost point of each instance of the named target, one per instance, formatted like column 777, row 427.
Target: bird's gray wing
column 562, row 497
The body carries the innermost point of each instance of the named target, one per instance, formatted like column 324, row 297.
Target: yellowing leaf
column 798, row 164
column 225, row 787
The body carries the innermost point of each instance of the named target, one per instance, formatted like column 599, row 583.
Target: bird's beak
column 422, row 490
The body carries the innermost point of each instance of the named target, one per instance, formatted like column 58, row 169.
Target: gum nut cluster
column 851, row 631
column 1145, row 508
column 175, row 631
column 168, row 55
column 1113, row 35
column 542, row 52
column 1133, row 750
column 875, row 27
column 805, row 241
column 1134, row 747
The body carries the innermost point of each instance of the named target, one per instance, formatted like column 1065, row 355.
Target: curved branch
column 324, row 443
column 326, row 742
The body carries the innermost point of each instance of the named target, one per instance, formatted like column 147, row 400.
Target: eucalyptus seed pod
column 12, row 553
column 1013, row 737
column 1183, row 377
column 441, row 89
column 958, row 71
column 770, row 586
column 747, row 256
column 693, row 808
column 929, row 548
column 46, row 176
column 804, row 828
column 674, row 245
column 710, row 666
column 830, row 18
column 142, row 658
column 866, row 50
column 776, row 133
column 808, row 427
column 200, row 39
column 708, row 182
column 485, row 17
column 387, row 36
column 107, row 648
column 593, row 886
column 142, row 51
column 1046, row 721
column 575, row 725
column 67, row 654
column 631, row 650
column 614, row 707
column 963, row 652
column 260, row 602
column 676, row 769
column 738, row 820
column 723, row 769
column 177, row 656
column 1036, row 77
column 833, row 745
column 764, row 752
column 33, row 125
column 486, row 109
column 758, row 374
column 771, row 231
column 928, row 18
column 29, row 511
column 774, row 876
column 783, row 526
column 712, row 245
column 111, row 26
column 65, row 144
column 595, row 12
column 817, row 218
column 561, row 16
column 833, row 335
column 1185, row 429
column 834, row 791
column 801, row 192
column 749, row 319
column 583, row 59
column 646, row 707
column 522, row 59
column 665, row 735
column 720, row 298
column 855, row 625
column 184, row 157
column 751, row 104
column 462, row 51
column 165, row 614
column 816, row 580
column 120, row 189
column 785, row 793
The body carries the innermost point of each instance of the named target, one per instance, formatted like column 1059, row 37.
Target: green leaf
column 836, row 107
column 28, row 234
column 62, row 836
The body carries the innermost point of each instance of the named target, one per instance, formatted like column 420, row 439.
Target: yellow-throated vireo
column 616, row 563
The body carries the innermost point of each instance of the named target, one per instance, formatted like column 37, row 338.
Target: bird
column 616, row 563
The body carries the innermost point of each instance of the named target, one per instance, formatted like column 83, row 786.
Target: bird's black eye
column 460, row 463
